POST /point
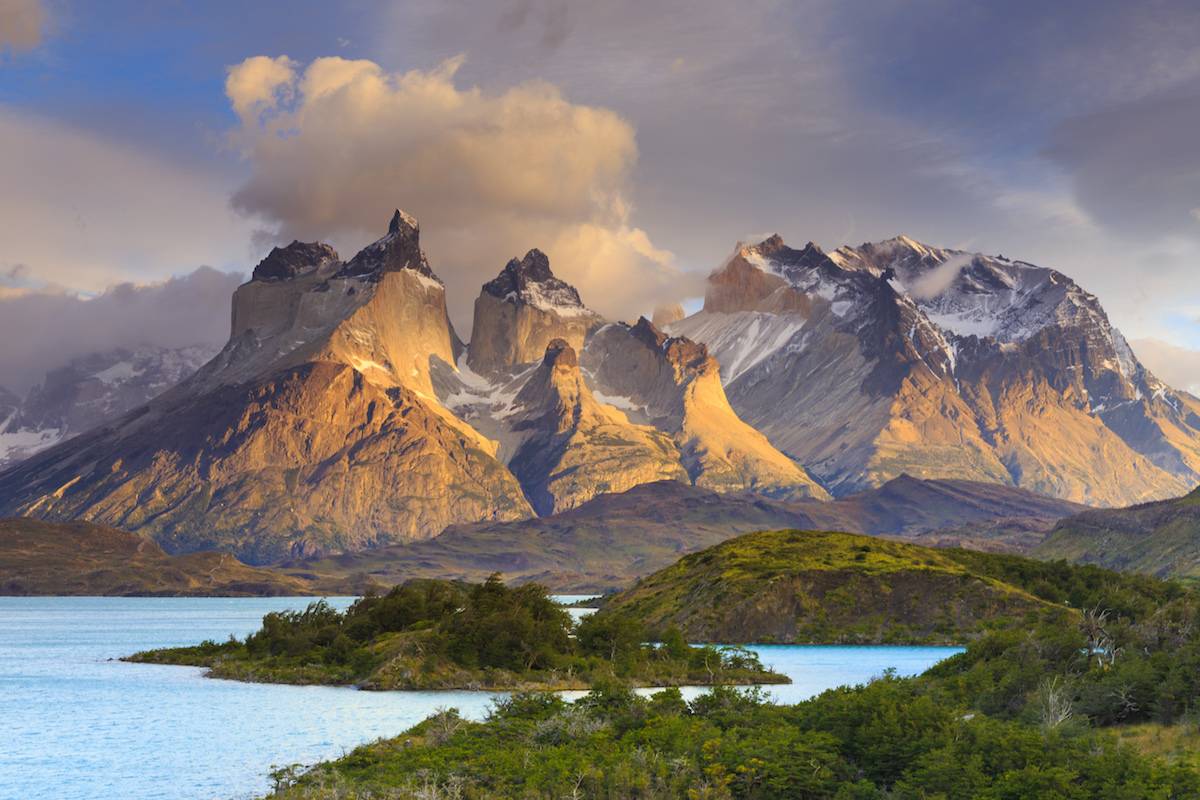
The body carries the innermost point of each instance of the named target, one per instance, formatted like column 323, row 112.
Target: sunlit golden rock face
column 675, row 384
column 314, row 430
column 521, row 311
column 573, row 448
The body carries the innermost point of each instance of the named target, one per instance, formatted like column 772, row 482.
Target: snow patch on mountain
column 553, row 296
column 740, row 340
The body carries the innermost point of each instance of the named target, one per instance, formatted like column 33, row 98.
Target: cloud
column 86, row 212
column 1133, row 165
column 21, row 24
column 1178, row 366
column 258, row 84
column 46, row 329
column 938, row 279
column 333, row 148
column 849, row 122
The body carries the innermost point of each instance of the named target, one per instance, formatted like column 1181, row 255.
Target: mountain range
column 613, row 539
column 88, row 391
column 345, row 413
column 899, row 358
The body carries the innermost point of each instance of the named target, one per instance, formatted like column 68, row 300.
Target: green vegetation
column 890, row 740
column 444, row 635
column 821, row 587
column 1160, row 538
column 1096, row 701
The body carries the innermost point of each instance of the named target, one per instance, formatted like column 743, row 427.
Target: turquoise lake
column 77, row 725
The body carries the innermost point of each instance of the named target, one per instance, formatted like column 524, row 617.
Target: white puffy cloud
column 254, row 86
column 21, row 24
column 333, row 148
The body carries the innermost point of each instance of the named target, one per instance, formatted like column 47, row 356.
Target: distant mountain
column 896, row 357
column 613, row 539
column 89, row 391
column 581, row 407
column 345, row 413
column 314, row 429
column 1161, row 538
column 80, row 558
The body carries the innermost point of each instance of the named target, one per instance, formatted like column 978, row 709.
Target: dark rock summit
column 558, row 352
column 288, row 262
column 521, row 311
column 399, row 249
column 514, row 281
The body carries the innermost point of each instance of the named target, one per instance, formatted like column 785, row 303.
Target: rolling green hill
column 821, row 587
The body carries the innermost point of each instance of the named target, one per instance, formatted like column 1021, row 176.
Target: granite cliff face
column 571, row 448
column 521, row 311
column 674, row 384
column 315, row 429
column 866, row 363
column 644, row 407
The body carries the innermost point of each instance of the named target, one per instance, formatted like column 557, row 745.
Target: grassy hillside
column 81, row 558
column 1160, row 538
column 805, row 586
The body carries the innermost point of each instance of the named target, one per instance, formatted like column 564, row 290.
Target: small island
column 432, row 634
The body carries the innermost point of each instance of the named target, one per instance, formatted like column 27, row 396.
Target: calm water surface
column 79, row 726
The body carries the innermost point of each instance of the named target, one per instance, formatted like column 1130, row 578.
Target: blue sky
column 1060, row 133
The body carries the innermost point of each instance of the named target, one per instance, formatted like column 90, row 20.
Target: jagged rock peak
column 560, row 354
column 773, row 255
column 646, row 331
column 771, row 245
column 399, row 249
column 288, row 262
column 401, row 222
column 679, row 351
column 906, row 242
column 531, row 281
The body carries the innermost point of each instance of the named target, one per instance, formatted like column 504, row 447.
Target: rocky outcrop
column 572, row 448
column 314, row 430
column 820, row 587
column 521, row 311
column 284, row 263
column 903, row 358
column 675, row 384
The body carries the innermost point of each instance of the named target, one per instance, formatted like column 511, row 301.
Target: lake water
column 78, row 726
